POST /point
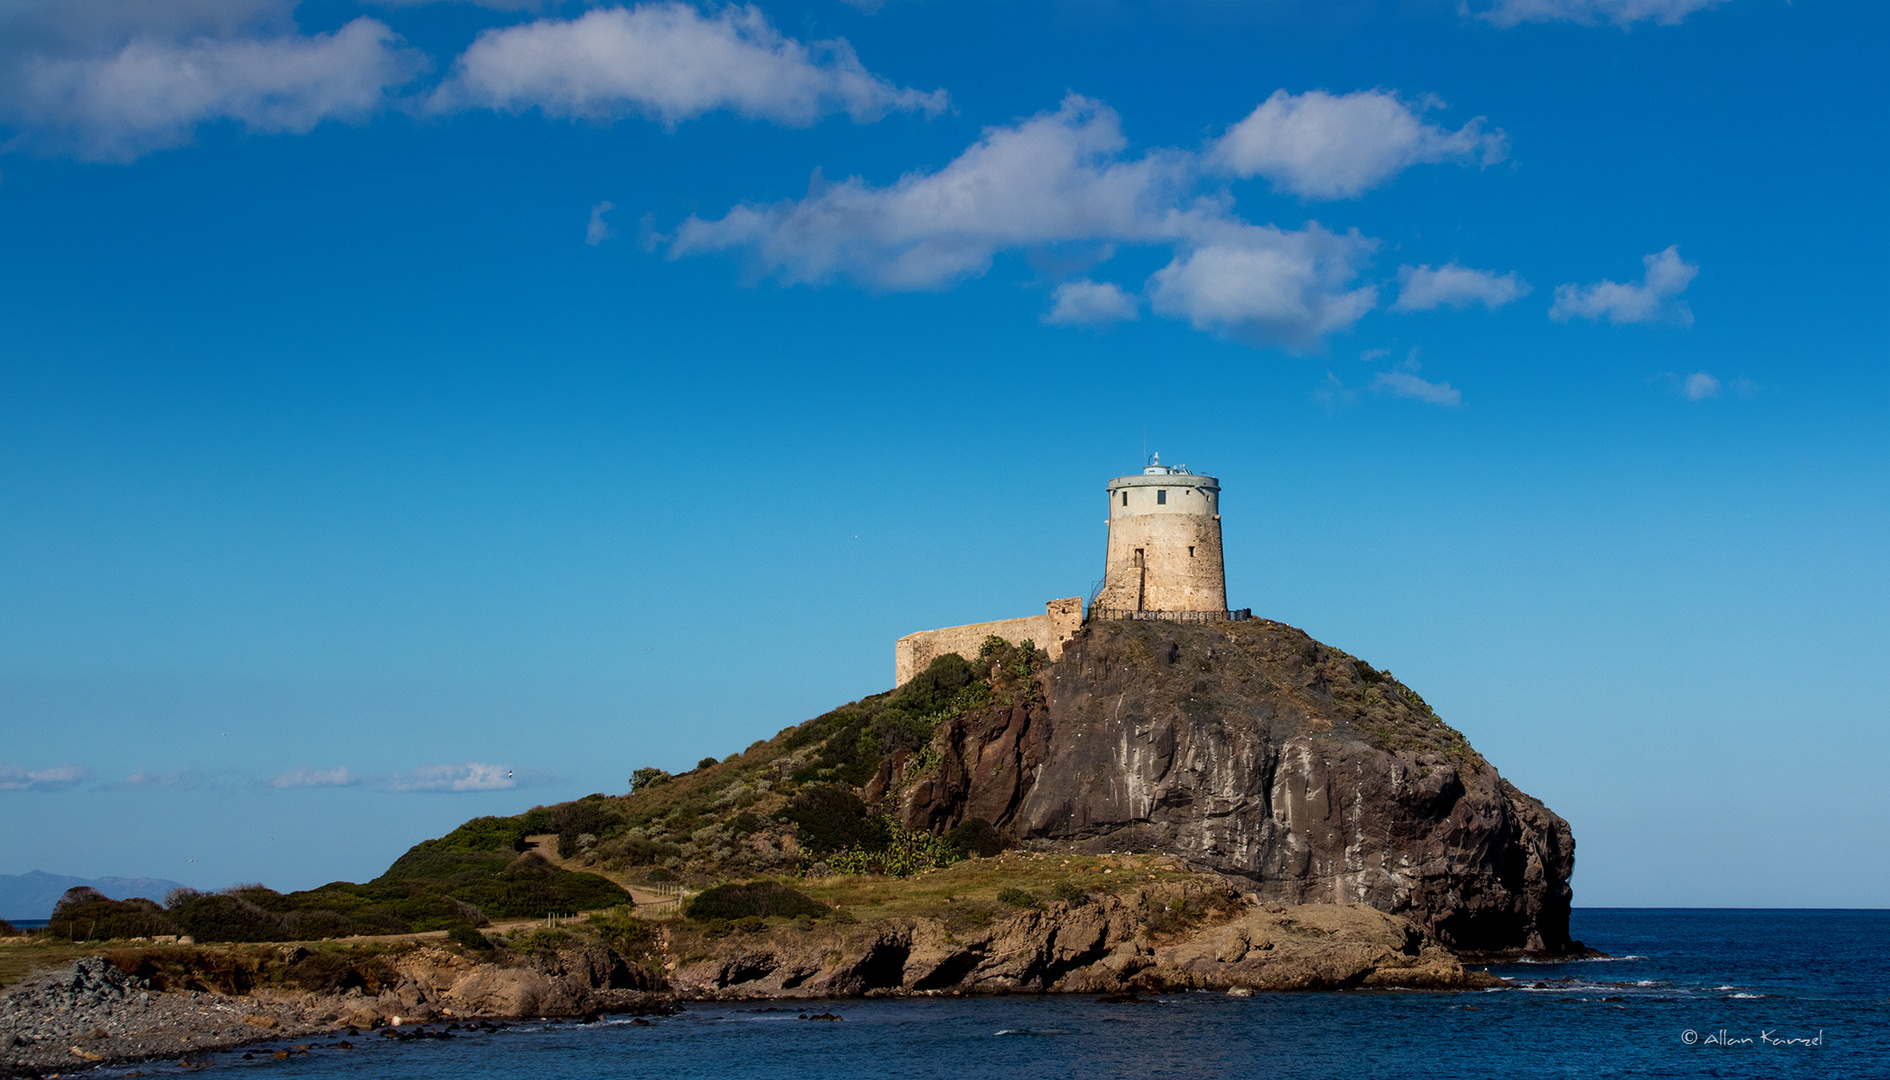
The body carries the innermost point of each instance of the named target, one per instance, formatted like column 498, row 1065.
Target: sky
column 412, row 411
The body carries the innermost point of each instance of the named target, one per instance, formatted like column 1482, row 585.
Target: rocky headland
column 1253, row 750
column 1222, row 807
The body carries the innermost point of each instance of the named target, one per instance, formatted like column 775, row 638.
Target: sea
column 1685, row 993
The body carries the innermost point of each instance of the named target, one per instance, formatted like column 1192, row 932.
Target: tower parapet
column 1164, row 553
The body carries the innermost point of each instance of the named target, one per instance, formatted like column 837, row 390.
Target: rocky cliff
column 1253, row 750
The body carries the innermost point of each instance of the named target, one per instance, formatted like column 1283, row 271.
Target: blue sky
column 411, row 411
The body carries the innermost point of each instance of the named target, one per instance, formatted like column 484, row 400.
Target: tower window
column 1125, row 498
column 1191, row 553
column 1161, row 498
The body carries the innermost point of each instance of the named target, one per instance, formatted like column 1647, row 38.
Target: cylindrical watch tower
column 1164, row 543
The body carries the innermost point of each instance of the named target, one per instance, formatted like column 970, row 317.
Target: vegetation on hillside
column 426, row 889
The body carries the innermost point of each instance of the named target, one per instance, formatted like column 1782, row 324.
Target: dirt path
column 547, row 846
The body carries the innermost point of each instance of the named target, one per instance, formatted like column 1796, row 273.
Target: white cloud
column 138, row 82
column 670, row 62
column 1054, row 177
column 1262, row 285
column 1699, row 386
column 306, row 778
column 1650, row 301
column 472, row 776
column 1422, row 288
column 1407, row 384
column 1336, row 146
column 48, row 779
column 598, row 230
column 1622, row 13
column 1083, row 302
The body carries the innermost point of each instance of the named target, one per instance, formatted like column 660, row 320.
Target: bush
column 638, row 851
column 904, row 853
column 1017, row 898
column 706, row 762
column 623, row 931
column 84, row 913
column 647, row 777
column 931, row 690
column 757, row 899
column 7, row 929
column 226, row 917
column 485, row 834
column 573, row 820
column 1070, row 893
column 827, row 818
column 464, row 935
column 975, row 836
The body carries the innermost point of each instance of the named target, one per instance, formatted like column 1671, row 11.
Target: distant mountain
column 32, row 895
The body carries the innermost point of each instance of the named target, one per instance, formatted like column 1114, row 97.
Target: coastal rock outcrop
column 1198, row 935
column 1250, row 749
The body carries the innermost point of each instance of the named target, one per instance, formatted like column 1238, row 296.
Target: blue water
column 1794, row 974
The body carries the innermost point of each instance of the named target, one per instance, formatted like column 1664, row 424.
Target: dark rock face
column 1251, row 749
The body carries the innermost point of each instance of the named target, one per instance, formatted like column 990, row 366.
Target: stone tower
column 1164, row 546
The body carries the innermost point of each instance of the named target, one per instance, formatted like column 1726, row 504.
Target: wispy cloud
column 1653, row 299
column 1422, row 288
column 174, row 780
column 1406, row 384
column 1337, row 146
column 598, row 230
column 308, row 778
column 52, row 778
column 471, row 776
column 1705, row 386
column 1621, row 13
column 670, row 62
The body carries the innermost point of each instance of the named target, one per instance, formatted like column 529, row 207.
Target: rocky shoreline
column 174, row 1004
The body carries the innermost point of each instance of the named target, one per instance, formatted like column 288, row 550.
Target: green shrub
column 757, row 899
column 828, row 817
column 1070, row 893
column 589, row 815
column 7, row 929
column 903, row 853
column 641, row 851
column 485, row 834
column 646, row 778
column 226, row 917
column 85, row 914
column 706, row 762
column 1017, row 898
column 464, row 935
column 632, row 937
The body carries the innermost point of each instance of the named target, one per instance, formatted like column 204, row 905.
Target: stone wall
column 1059, row 622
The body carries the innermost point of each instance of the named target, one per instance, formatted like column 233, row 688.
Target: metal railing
column 1131, row 615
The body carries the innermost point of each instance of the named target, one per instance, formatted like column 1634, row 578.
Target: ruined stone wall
column 1059, row 622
